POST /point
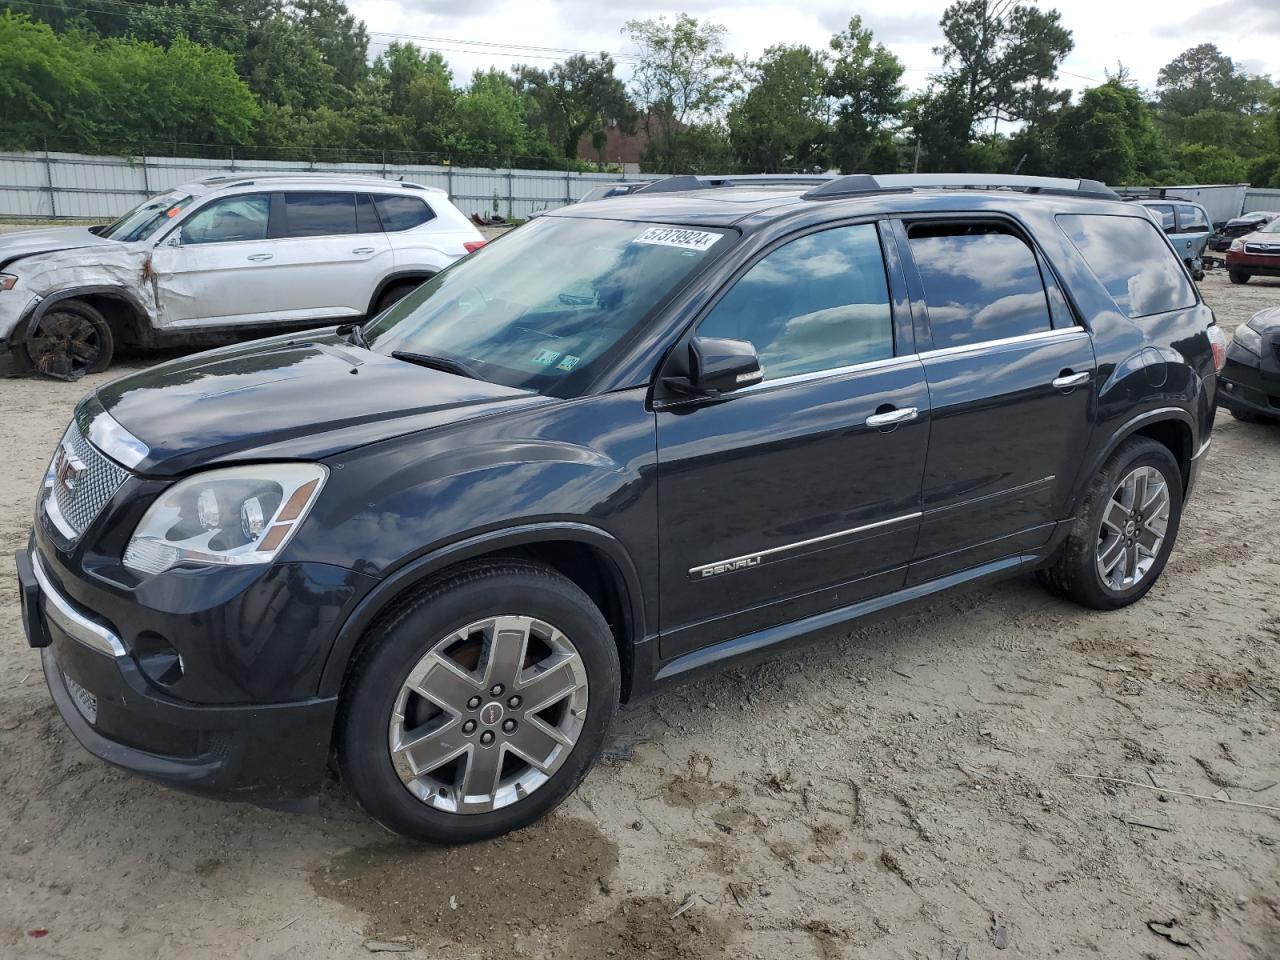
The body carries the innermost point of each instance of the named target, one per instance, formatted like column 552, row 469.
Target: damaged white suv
column 219, row 256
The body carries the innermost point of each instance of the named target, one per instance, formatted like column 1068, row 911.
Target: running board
column 770, row 637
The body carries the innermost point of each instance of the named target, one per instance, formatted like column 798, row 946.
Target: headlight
column 7, row 281
column 237, row 515
column 1249, row 338
column 1237, row 246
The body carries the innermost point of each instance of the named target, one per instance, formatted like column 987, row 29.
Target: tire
column 1247, row 416
column 1074, row 572
column 393, row 294
column 1238, row 276
column 425, row 799
column 70, row 340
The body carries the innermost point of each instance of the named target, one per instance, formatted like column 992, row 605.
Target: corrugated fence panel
column 68, row 185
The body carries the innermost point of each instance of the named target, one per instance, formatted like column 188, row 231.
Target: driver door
column 216, row 266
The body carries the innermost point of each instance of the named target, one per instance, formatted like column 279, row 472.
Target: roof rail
column 684, row 182
column 863, row 183
column 245, row 180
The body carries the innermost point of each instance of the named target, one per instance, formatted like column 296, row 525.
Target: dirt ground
column 923, row 788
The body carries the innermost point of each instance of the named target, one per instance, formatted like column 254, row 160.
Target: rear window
column 1165, row 215
column 980, row 283
column 320, row 214
column 403, row 212
column 1133, row 262
column 1191, row 219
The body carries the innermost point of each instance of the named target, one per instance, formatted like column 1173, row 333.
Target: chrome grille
column 1263, row 248
column 79, row 483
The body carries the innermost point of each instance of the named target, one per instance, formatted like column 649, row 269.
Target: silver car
column 225, row 254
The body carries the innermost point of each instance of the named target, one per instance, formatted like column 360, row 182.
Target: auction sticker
column 678, row 237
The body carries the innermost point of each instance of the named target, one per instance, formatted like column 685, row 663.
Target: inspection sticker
column 546, row 357
column 678, row 237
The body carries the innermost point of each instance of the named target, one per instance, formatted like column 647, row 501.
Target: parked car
column 1255, row 254
column 1189, row 228
column 1239, row 227
column 632, row 441
column 1250, row 380
column 229, row 254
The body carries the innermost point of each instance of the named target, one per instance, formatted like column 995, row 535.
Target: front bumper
column 268, row 753
column 1249, row 383
column 1255, row 264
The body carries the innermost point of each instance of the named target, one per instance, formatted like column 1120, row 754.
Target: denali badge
column 725, row 566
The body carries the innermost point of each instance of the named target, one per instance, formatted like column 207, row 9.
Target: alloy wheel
column 1134, row 524
column 488, row 714
column 64, row 344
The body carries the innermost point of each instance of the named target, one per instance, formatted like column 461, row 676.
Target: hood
column 289, row 398
column 1271, row 240
column 26, row 243
column 1266, row 321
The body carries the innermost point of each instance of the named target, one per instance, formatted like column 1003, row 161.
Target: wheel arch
column 1173, row 427
column 124, row 311
column 591, row 558
column 417, row 276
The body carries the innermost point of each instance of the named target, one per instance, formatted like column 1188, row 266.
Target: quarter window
column 230, row 220
column 320, row 214
column 1164, row 214
column 816, row 303
column 402, row 212
column 1132, row 261
column 981, row 283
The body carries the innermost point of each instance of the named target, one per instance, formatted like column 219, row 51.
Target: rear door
column 1011, row 388
column 789, row 498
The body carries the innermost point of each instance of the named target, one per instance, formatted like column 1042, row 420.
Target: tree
column 682, row 79
column 864, row 82
column 487, row 125
column 781, row 124
column 1110, row 135
column 999, row 58
column 1200, row 79
column 578, row 97
column 45, row 85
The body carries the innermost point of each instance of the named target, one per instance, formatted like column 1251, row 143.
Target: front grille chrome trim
column 74, row 623
column 80, row 482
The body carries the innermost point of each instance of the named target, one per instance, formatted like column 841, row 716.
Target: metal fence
column 58, row 186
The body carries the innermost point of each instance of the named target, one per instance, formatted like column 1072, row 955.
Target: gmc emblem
column 67, row 468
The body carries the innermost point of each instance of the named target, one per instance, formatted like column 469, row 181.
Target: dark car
column 1255, row 254
column 628, row 442
column 1250, row 380
column 1238, row 227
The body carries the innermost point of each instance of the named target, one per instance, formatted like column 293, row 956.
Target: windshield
column 545, row 303
column 146, row 218
column 1272, row 227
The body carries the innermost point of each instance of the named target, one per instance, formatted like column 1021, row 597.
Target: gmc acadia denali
column 630, row 441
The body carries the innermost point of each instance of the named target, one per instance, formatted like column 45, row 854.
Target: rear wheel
column 70, row 340
column 1122, row 538
column 479, row 705
column 1238, row 276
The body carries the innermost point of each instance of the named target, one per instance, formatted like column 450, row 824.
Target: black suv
column 629, row 441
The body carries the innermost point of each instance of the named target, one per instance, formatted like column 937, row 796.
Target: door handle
column 260, row 256
column 1069, row 381
column 892, row 418
column 360, row 251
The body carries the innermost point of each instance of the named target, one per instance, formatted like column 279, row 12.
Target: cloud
column 888, row 29
column 1227, row 19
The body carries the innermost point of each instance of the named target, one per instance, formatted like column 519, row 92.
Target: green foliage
column 781, row 124
column 864, row 84
column 578, row 97
column 1110, row 136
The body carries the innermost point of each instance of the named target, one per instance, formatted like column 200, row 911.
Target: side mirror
column 718, row 366
column 175, row 240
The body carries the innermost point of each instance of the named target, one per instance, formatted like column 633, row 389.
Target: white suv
column 219, row 255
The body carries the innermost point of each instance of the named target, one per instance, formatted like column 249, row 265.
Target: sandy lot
column 908, row 790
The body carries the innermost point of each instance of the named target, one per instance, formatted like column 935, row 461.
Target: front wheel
column 479, row 705
column 1238, row 276
column 70, row 340
column 1122, row 538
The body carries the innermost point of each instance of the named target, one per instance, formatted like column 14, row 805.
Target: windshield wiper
column 354, row 335
column 436, row 363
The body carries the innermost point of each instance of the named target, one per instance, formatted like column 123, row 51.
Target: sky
column 1144, row 34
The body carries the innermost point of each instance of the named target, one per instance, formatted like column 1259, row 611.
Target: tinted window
column 1132, row 260
column 816, row 303
column 1164, row 216
column 403, row 212
column 229, row 220
column 320, row 214
column 366, row 216
column 1192, row 219
column 980, row 284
